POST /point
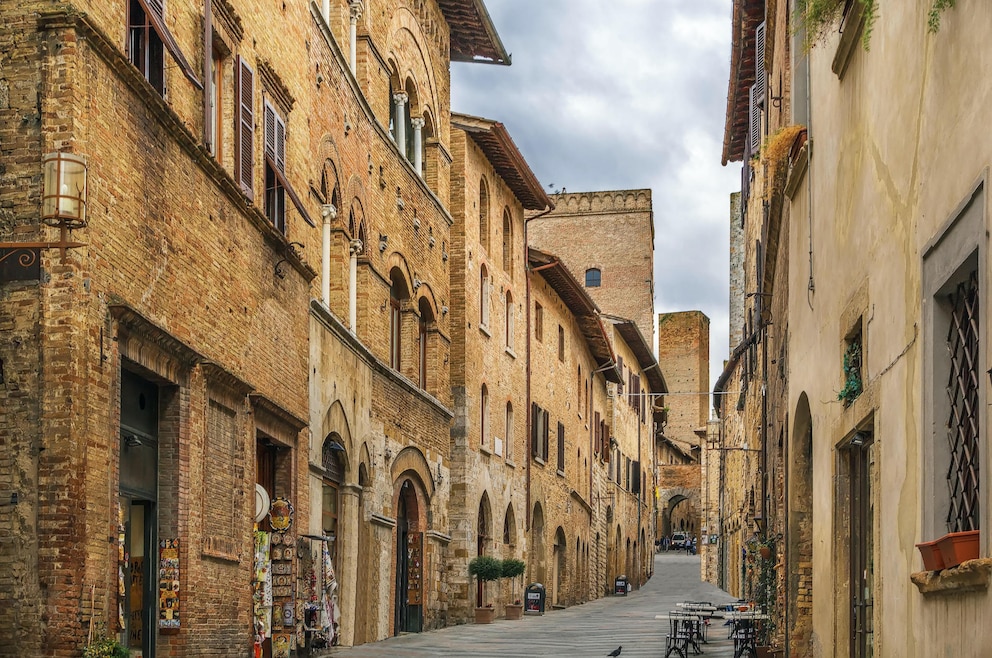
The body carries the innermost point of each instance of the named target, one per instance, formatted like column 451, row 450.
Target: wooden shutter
column 157, row 6
column 246, row 127
column 208, row 58
column 754, row 120
column 759, row 65
column 547, row 431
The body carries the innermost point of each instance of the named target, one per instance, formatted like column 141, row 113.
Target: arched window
column 507, row 241
column 484, row 214
column 397, row 293
column 509, row 320
column 331, row 453
column 509, row 527
column 484, row 416
column 484, row 297
column 508, row 431
column 426, row 319
column 594, row 278
column 412, row 103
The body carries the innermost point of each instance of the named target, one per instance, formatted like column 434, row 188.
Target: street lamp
column 64, row 201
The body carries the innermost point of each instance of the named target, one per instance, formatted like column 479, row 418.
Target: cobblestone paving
column 590, row 629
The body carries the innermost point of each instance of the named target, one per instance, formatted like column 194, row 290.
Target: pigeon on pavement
column 615, row 652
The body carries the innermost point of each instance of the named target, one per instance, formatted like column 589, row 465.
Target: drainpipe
column 354, row 248
column 354, row 13
column 530, row 338
column 329, row 213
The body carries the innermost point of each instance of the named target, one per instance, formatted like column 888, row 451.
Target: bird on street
column 615, row 652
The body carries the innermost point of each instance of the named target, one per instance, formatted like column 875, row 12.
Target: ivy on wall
column 817, row 18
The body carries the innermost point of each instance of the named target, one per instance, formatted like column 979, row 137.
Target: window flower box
column 932, row 558
column 957, row 547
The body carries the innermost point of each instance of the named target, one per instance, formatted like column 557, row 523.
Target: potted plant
column 105, row 647
column 513, row 568
column 486, row 569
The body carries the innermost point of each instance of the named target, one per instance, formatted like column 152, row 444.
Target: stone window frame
column 959, row 247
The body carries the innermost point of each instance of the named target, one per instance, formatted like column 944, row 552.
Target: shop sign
column 168, row 584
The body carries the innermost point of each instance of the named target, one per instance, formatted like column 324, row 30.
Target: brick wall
column 683, row 354
column 612, row 231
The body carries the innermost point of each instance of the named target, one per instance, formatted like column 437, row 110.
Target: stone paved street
column 591, row 629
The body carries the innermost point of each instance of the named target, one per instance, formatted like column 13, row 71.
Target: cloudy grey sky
column 626, row 94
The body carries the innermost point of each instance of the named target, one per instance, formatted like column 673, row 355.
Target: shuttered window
column 275, row 159
column 246, row 127
column 148, row 41
column 760, row 79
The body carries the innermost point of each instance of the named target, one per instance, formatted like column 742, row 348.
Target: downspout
column 530, row 412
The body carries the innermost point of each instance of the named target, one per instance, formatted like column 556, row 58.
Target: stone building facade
column 587, row 490
column 750, row 393
column 256, row 311
column 607, row 239
column 492, row 187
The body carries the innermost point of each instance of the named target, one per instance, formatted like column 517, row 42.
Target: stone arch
column 669, row 499
column 538, row 556
column 397, row 261
column 559, row 566
column 408, row 50
column 799, row 532
column 335, row 421
column 509, row 526
column 411, row 505
column 411, row 460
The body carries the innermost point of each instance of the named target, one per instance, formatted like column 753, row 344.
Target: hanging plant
column 852, row 373
column 818, row 17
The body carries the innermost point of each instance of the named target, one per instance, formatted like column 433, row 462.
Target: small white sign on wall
column 498, row 446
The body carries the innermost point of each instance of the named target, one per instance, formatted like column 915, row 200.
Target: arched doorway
column 537, row 544
column 559, row 558
column 409, row 601
column 799, row 544
column 483, row 532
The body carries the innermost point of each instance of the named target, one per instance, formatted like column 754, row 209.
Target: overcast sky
column 622, row 95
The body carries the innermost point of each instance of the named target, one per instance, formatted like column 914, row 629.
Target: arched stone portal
column 680, row 510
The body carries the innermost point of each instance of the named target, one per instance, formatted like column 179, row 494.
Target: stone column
column 418, row 145
column 400, row 98
column 325, row 11
column 347, row 554
column 355, row 248
column 355, row 9
column 329, row 213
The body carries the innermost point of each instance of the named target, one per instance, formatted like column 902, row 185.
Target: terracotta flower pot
column 956, row 547
column 932, row 558
column 485, row 615
column 514, row 611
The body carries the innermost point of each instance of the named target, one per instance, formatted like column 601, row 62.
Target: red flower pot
column 932, row 559
column 956, row 547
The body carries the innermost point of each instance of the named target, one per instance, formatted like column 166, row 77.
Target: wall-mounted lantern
column 64, row 200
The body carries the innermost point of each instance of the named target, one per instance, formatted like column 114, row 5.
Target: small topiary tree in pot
column 485, row 568
column 513, row 568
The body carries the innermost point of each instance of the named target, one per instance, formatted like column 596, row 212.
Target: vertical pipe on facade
column 355, row 248
column 325, row 11
column 530, row 411
column 330, row 213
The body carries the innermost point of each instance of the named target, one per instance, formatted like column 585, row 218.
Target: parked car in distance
column 679, row 540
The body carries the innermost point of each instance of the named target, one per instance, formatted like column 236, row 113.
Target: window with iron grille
column 954, row 364
column 962, row 392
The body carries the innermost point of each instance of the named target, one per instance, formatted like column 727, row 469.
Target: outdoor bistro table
column 704, row 610
column 743, row 630
column 684, row 631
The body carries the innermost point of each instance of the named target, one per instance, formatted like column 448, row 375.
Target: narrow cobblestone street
column 591, row 629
